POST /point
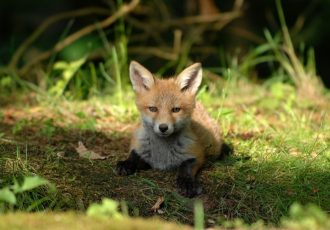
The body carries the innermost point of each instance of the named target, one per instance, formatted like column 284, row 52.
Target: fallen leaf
column 160, row 212
column 61, row 154
column 290, row 192
column 156, row 207
column 85, row 153
column 210, row 221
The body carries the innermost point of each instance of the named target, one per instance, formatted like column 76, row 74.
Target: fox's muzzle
column 163, row 129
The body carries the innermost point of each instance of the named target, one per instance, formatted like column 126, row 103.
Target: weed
column 303, row 76
column 67, row 71
column 108, row 208
column 24, row 196
column 300, row 217
column 19, row 126
column 21, row 189
column 306, row 217
column 48, row 128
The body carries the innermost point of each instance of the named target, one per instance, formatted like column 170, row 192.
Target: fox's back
column 206, row 130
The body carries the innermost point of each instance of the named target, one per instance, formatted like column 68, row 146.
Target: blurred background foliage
column 82, row 48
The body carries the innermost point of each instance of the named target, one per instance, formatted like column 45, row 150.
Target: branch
column 161, row 52
column 48, row 22
column 124, row 9
column 228, row 16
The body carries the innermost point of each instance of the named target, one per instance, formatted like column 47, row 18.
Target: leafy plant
column 306, row 217
column 6, row 82
column 300, row 217
column 67, row 72
column 18, row 195
column 108, row 208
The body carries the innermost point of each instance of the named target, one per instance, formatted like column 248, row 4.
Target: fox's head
column 166, row 105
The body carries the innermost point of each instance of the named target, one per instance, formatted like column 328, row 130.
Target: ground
column 281, row 153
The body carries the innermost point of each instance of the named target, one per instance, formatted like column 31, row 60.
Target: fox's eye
column 176, row 109
column 153, row 109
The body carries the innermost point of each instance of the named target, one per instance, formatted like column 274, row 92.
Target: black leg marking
column 225, row 150
column 186, row 181
column 131, row 164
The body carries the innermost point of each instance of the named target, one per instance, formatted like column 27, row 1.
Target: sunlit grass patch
column 266, row 187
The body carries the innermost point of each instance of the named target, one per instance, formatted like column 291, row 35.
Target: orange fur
column 166, row 94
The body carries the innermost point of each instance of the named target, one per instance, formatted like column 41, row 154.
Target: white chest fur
column 163, row 153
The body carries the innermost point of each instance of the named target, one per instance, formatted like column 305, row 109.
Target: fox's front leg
column 186, row 181
column 131, row 164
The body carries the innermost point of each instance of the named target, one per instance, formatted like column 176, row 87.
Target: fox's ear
column 190, row 78
column 141, row 78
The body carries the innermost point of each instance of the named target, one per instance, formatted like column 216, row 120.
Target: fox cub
column 175, row 131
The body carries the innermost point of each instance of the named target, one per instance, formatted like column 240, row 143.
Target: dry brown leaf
column 61, row 154
column 156, row 207
column 85, row 153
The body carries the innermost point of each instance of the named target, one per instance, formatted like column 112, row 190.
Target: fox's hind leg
column 225, row 151
column 133, row 163
column 187, row 177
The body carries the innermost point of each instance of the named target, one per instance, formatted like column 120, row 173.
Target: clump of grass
column 280, row 55
column 21, row 189
column 303, row 76
column 301, row 72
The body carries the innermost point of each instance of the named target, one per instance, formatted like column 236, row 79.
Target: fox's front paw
column 188, row 186
column 125, row 168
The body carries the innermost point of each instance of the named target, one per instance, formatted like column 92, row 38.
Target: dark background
column 18, row 19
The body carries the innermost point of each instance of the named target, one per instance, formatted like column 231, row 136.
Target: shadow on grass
column 81, row 181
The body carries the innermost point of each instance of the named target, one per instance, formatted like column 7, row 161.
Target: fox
column 175, row 131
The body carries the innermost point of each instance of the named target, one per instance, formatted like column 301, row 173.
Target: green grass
column 21, row 189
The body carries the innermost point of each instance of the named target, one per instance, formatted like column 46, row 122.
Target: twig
column 48, row 22
column 162, row 52
column 238, row 4
column 248, row 35
column 177, row 41
column 155, row 51
column 201, row 19
column 124, row 9
column 147, row 28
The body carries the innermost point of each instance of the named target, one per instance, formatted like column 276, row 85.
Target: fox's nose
column 163, row 128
